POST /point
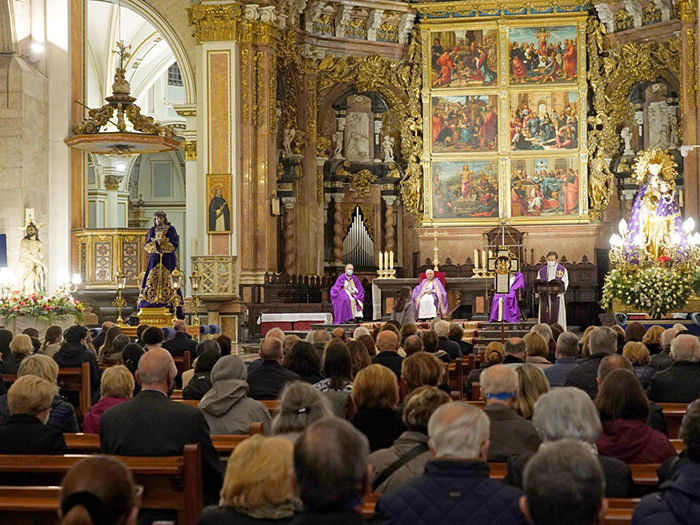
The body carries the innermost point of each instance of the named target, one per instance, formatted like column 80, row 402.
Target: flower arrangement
column 655, row 290
column 40, row 306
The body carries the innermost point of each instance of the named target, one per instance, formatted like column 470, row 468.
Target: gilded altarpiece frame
column 504, row 113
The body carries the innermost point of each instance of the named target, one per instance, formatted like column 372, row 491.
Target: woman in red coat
column 624, row 408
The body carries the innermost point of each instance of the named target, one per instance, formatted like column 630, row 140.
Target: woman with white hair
column 569, row 413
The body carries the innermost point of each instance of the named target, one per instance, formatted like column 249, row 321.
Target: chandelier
column 118, row 127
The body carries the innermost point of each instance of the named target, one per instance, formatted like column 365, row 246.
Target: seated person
column 26, row 431
column 117, row 387
column 429, row 297
column 257, row 485
column 347, row 297
column 300, row 406
column 267, row 380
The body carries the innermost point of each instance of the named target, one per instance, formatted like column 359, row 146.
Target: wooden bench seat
column 642, row 474
column 69, row 380
column 170, row 482
column 673, row 413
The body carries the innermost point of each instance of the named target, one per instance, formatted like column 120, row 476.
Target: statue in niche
column 338, row 139
column 626, row 135
column 287, row 138
column 358, row 137
column 388, row 144
column 658, row 125
column 31, row 257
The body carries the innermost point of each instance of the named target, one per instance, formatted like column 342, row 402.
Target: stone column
column 289, row 235
column 112, row 181
column 338, row 229
column 389, row 223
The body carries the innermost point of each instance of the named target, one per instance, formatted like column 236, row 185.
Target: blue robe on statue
column 156, row 287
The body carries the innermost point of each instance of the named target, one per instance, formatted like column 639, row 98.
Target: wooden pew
column 678, row 445
column 476, row 392
column 170, row 482
column 642, row 474
column 70, row 380
column 29, row 505
column 455, row 375
column 183, row 363
column 673, row 412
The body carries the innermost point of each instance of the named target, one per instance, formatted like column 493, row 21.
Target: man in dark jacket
column 455, row 487
column 603, row 342
column 567, row 350
column 681, row 382
column 181, row 342
column 73, row 353
column 456, row 334
column 678, row 502
column 388, row 345
column 267, row 380
column 331, row 473
column 152, row 425
column 662, row 360
column 511, row 435
column 516, row 352
column 564, row 484
column 442, row 329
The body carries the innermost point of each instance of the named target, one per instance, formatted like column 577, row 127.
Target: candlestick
column 391, row 260
column 476, row 260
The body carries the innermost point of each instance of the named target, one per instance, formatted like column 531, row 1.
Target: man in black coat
column 681, row 382
column 266, row 381
column 388, row 345
column 603, row 342
column 153, row 425
column 331, row 473
column 442, row 329
column 663, row 360
column 456, row 334
column 73, row 353
column 516, row 352
column 181, row 342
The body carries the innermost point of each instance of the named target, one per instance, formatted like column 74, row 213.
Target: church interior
column 226, row 163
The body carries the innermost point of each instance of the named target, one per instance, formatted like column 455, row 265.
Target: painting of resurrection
column 539, row 55
column 464, row 189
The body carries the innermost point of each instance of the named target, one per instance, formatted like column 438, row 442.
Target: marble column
column 289, row 235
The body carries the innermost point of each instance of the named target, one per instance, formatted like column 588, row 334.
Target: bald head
column 339, row 333
column 515, row 346
column 387, row 341
column 156, row 370
column 271, row 349
column 413, row 345
column 685, row 348
column 180, row 326
column 275, row 332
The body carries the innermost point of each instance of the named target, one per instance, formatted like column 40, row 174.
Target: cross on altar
column 436, row 234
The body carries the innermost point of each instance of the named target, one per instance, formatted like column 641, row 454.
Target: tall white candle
column 381, row 261
column 476, row 260
column 483, row 259
column 391, row 260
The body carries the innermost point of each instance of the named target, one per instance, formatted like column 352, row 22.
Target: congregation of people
column 366, row 412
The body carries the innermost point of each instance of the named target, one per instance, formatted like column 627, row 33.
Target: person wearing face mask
column 347, row 296
column 26, row 431
column 554, row 270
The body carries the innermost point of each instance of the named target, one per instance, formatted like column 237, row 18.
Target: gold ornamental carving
column 399, row 82
column 215, row 22
column 190, row 148
column 245, row 84
column 361, row 182
column 112, row 182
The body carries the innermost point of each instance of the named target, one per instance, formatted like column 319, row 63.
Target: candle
column 483, row 259
column 391, row 260
column 490, row 254
column 381, row 261
column 386, row 260
column 476, row 260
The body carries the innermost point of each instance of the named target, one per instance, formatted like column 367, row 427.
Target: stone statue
column 287, row 138
column 673, row 127
column 31, row 256
column 388, row 144
column 338, row 139
column 634, row 8
column 626, row 135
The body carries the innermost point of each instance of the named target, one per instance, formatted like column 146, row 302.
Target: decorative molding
column 190, row 148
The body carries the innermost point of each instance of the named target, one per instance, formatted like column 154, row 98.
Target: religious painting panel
column 218, row 196
column 544, row 187
column 465, row 189
column 543, row 54
column 546, row 120
column 464, row 58
column 465, row 123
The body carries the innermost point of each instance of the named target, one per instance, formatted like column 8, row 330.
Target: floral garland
column 655, row 290
column 40, row 306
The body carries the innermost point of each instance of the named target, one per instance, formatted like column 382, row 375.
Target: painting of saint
column 464, row 58
column 465, row 189
column 544, row 187
column 544, row 121
column 538, row 55
column 219, row 212
column 465, row 123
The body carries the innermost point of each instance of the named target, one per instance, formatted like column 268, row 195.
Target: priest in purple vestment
column 505, row 306
column 429, row 297
column 161, row 244
column 347, row 296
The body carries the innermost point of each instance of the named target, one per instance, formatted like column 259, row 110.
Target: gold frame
column 504, row 90
column 227, row 181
